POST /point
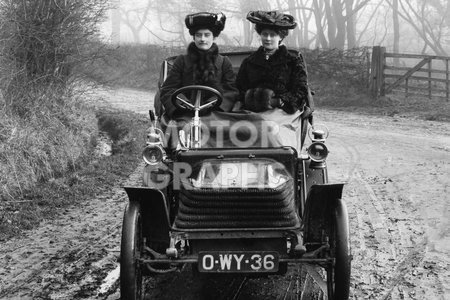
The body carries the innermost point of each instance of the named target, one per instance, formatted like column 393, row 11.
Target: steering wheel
column 180, row 100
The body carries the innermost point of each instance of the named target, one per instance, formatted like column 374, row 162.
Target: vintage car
column 234, row 199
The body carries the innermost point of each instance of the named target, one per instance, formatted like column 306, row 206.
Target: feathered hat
column 272, row 19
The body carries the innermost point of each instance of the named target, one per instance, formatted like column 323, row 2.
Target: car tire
column 338, row 277
column 130, row 251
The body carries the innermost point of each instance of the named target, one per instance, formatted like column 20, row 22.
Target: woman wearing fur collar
column 272, row 77
column 202, row 65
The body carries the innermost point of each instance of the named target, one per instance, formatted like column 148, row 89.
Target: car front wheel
column 338, row 277
column 130, row 252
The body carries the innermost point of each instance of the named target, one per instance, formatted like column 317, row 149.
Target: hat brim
column 272, row 19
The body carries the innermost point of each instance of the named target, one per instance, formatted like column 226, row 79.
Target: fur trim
column 204, row 68
column 205, row 20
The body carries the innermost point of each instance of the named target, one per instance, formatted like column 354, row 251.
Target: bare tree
column 335, row 22
column 306, row 16
column 429, row 19
column 320, row 20
column 303, row 13
column 41, row 42
column 370, row 18
column 396, row 29
column 244, row 7
column 351, row 24
column 44, row 38
column 115, row 22
column 130, row 16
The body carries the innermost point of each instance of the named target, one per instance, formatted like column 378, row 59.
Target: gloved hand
column 260, row 99
column 275, row 102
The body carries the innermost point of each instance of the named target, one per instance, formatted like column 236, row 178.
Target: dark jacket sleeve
column 295, row 97
column 230, row 91
column 242, row 80
column 171, row 84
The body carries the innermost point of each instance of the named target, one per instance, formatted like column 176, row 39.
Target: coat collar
column 193, row 53
column 196, row 54
column 279, row 57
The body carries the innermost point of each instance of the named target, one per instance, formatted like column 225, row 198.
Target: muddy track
column 396, row 174
column 67, row 258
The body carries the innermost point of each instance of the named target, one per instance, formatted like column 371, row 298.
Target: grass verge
column 94, row 176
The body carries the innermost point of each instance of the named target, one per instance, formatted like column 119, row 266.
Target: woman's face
column 203, row 39
column 270, row 39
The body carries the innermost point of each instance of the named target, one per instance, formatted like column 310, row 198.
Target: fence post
column 377, row 71
column 382, row 63
column 373, row 76
column 446, row 77
column 368, row 70
column 429, row 79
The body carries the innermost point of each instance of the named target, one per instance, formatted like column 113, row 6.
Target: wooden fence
column 412, row 74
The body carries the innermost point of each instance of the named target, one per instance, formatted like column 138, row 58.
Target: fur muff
column 284, row 73
column 258, row 99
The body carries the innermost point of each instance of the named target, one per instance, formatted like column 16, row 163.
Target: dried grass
column 45, row 128
column 46, row 144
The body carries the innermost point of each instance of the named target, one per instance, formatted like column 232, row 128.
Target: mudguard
column 154, row 211
column 320, row 205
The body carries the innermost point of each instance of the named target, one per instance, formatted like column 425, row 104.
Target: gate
column 411, row 74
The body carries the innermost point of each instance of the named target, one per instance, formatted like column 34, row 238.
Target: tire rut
column 388, row 227
column 67, row 258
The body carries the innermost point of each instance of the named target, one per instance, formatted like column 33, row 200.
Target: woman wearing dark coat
column 272, row 77
column 202, row 65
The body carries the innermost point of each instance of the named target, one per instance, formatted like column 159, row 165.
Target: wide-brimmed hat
column 272, row 19
column 205, row 20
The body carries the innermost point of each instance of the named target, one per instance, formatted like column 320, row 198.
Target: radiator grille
column 234, row 208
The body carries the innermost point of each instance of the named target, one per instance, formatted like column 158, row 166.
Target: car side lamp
column 154, row 152
column 318, row 151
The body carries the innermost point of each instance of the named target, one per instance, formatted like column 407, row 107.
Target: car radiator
column 234, row 208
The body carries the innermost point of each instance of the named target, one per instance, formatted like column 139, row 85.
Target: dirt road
column 397, row 182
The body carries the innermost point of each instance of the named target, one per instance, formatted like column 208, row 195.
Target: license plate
column 238, row 261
